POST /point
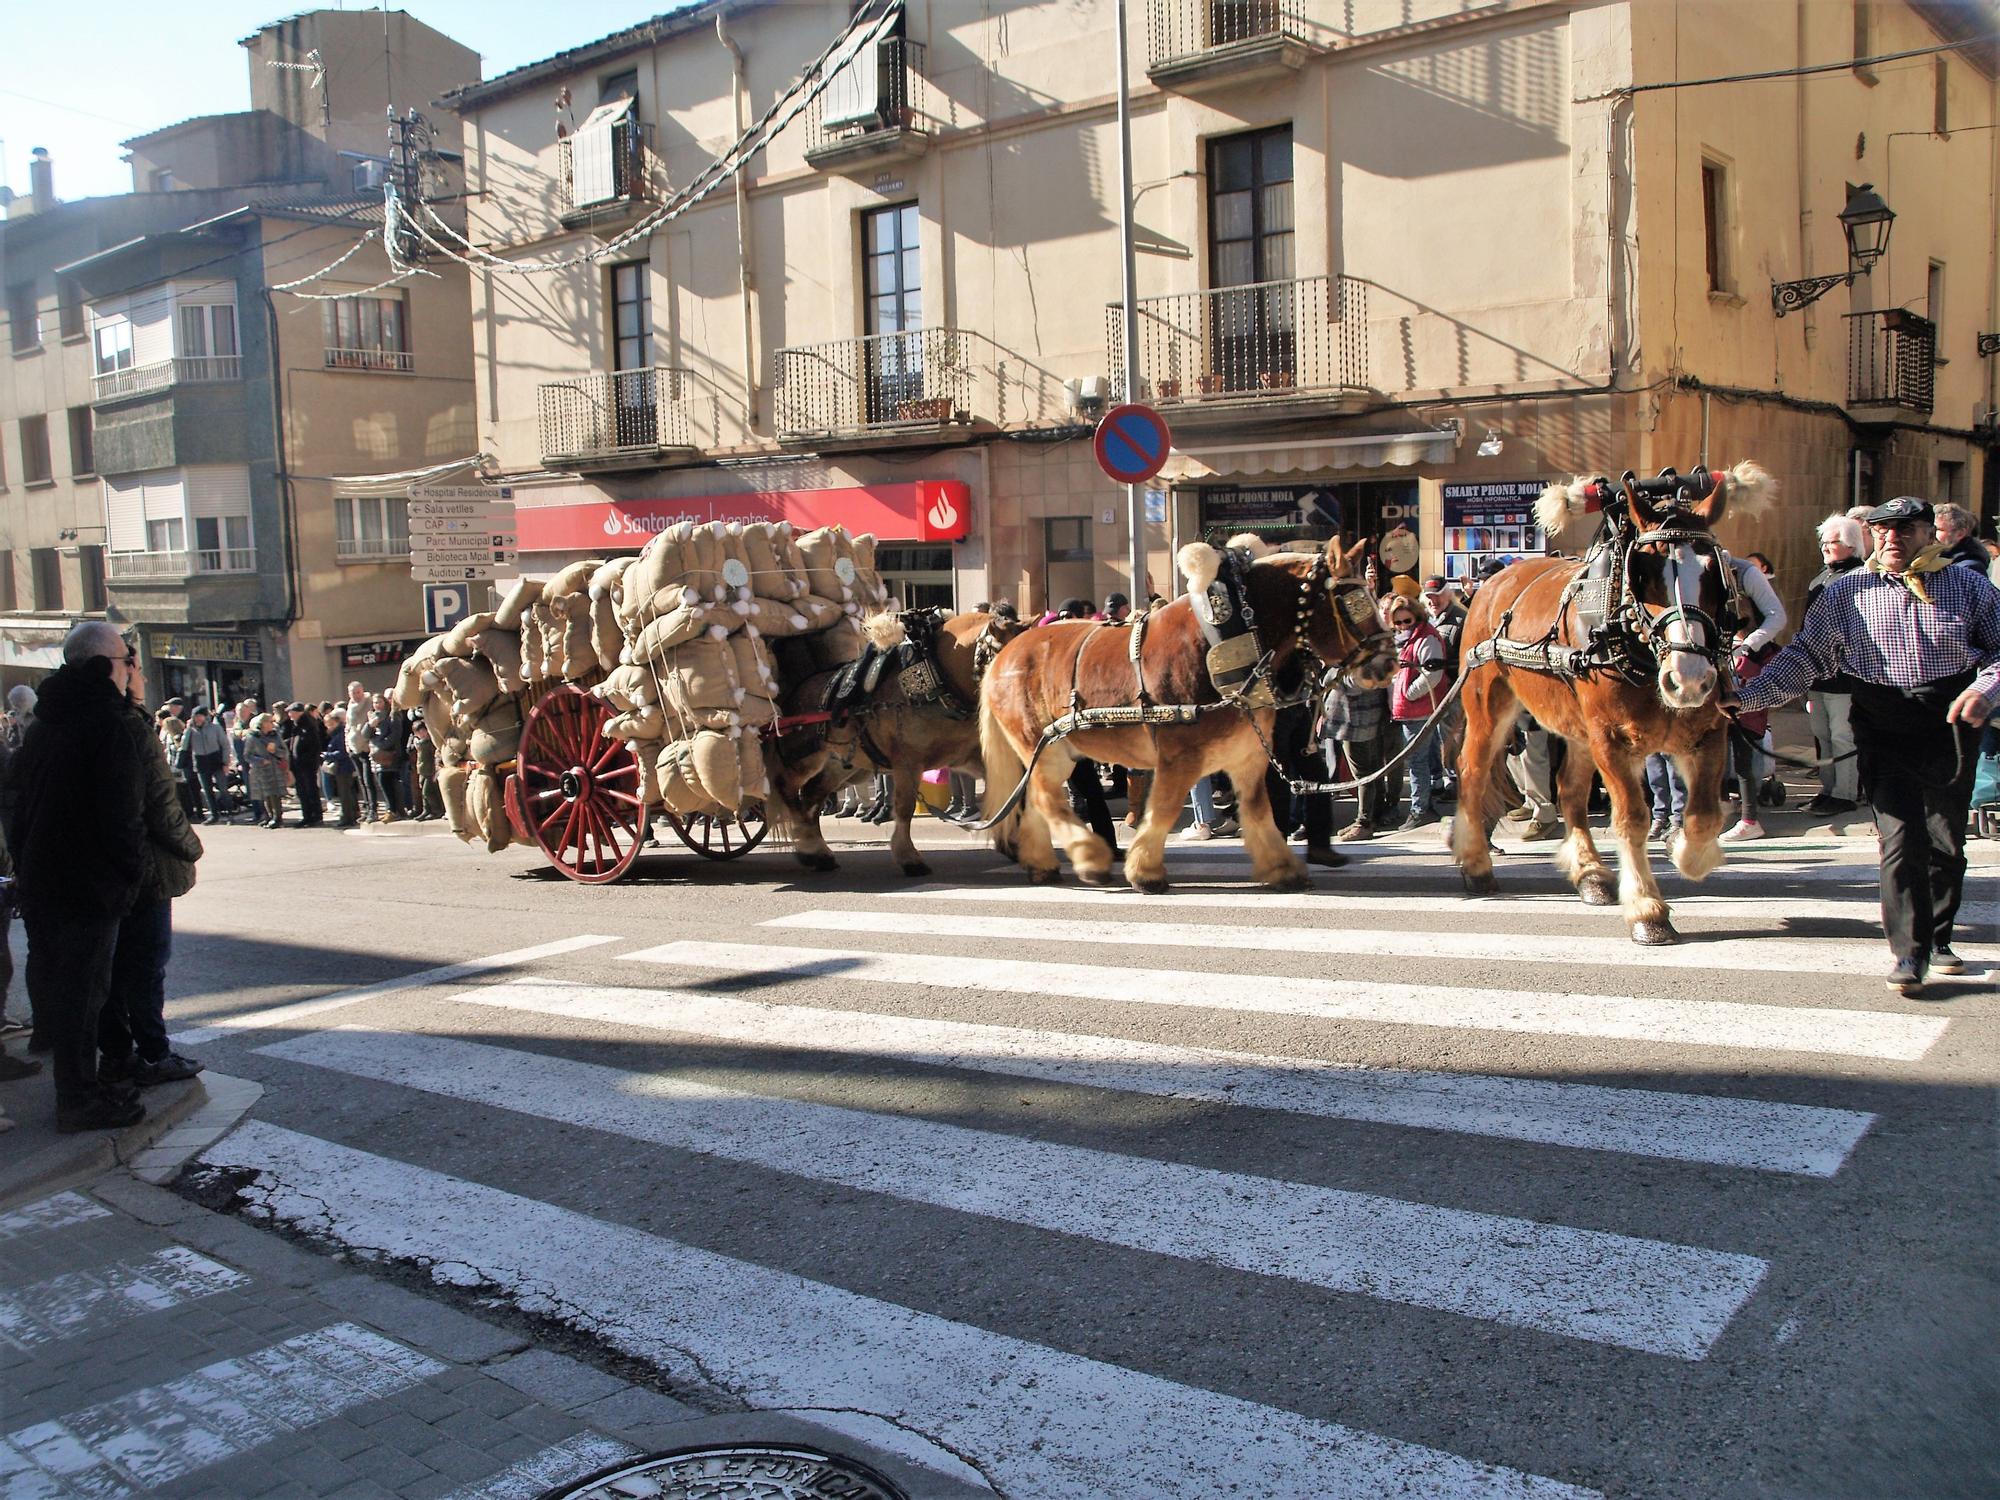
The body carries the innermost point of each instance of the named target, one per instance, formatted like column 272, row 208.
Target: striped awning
column 1362, row 450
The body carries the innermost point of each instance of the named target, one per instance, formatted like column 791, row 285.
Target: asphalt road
column 1363, row 1192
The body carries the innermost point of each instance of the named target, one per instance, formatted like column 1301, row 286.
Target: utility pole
column 1134, row 501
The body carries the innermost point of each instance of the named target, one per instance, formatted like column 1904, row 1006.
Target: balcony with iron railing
column 1193, row 43
column 1891, row 364
column 914, row 383
column 614, row 419
column 386, row 361
column 140, row 567
column 636, row 182
column 1301, row 342
column 871, row 111
column 357, row 549
column 187, row 369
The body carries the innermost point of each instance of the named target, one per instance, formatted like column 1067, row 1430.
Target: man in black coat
column 75, row 821
column 306, row 740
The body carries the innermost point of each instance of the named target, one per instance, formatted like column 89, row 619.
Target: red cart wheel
column 715, row 837
column 576, row 793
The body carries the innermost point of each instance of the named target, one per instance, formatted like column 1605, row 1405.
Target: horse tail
column 1004, row 768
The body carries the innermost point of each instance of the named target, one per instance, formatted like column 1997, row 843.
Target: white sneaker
column 1744, row 830
column 1195, row 833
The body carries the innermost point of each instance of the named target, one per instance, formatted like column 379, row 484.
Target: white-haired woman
column 1843, row 545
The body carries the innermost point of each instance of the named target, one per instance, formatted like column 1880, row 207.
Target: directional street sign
column 424, row 541
column 484, row 492
column 469, row 574
column 461, row 557
column 1132, row 443
column 460, row 525
column 459, row 510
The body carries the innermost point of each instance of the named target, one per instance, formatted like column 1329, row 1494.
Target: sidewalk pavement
column 150, row 1346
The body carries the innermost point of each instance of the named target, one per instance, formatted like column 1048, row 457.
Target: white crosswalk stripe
column 1043, row 1422
column 1701, row 1023
column 1749, row 1133
column 48, row 1214
column 1808, row 956
column 540, row 1472
column 1607, row 1288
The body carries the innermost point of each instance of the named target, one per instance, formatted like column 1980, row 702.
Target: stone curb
column 69, row 1159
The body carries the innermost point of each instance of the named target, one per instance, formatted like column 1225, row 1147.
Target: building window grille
column 47, row 564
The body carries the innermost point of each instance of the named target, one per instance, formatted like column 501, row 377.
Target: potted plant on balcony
column 1167, row 390
column 924, row 409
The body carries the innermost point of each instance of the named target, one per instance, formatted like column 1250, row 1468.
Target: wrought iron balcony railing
column 612, row 415
column 1273, row 338
column 397, row 361
column 371, row 548
column 924, row 377
column 1182, row 29
column 187, row 369
column 140, row 566
column 870, row 100
column 636, row 175
column 1891, row 360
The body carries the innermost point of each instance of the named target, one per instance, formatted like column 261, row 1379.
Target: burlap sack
column 609, row 580
column 680, row 788
column 819, row 613
column 501, row 649
column 824, row 551
column 753, row 783
column 452, row 781
column 837, row 645
column 771, row 575
column 607, row 637
column 702, row 556
column 702, row 690
column 534, row 643
column 626, row 688
column 514, row 606
column 659, row 564
column 471, row 684
column 756, row 674
column 649, row 770
column 575, row 651
column 485, row 810
column 408, row 692
column 573, row 578
column 667, row 630
column 870, row 591
column 639, row 724
column 718, row 770
column 496, row 738
column 462, row 637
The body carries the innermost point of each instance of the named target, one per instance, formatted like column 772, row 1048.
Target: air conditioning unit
column 1086, row 396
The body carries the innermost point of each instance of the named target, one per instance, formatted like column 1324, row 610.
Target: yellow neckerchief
column 1930, row 560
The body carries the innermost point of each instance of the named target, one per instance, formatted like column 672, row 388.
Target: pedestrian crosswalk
column 1111, row 1195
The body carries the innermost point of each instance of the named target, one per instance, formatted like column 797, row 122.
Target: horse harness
column 1620, row 635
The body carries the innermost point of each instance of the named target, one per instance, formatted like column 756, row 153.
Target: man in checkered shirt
column 1921, row 639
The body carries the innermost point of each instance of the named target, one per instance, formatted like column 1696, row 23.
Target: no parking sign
column 1132, row 443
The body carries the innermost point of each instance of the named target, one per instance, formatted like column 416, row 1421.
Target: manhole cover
column 736, row 1473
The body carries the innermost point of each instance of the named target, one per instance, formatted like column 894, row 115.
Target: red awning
column 930, row 510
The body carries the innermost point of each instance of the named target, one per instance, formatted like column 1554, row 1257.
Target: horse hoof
column 1153, row 886
column 1045, row 877
column 1597, row 890
column 1481, row 885
column 917, row 870
column 1096, row 877
column 1298, row 880
column 1654, row 934
column 819, row 862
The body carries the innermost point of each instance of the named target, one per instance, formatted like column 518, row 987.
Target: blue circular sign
column 1132, row 442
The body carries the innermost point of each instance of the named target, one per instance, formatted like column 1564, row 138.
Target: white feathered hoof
column 1659, row 934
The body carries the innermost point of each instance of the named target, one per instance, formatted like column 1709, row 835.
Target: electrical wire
column 1844, row 65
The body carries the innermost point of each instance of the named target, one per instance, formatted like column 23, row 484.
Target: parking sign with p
column 445, row 604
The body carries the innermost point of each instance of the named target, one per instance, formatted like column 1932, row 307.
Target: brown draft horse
column 891, row 734
column 1309, row 614
column 1676, row 596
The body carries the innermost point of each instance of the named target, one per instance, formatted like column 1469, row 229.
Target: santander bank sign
column 930, row 510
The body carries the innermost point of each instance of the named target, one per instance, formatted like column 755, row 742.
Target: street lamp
column 1866, row 222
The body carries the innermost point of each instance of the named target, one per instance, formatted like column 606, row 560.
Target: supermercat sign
column 930, row 510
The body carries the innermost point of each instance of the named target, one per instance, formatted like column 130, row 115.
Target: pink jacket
column 1413, row 693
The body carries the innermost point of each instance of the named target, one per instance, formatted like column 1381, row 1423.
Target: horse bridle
column 1351, row 607
column 1651, row 627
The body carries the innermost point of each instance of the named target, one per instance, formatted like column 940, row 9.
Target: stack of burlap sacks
column 689, row 643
